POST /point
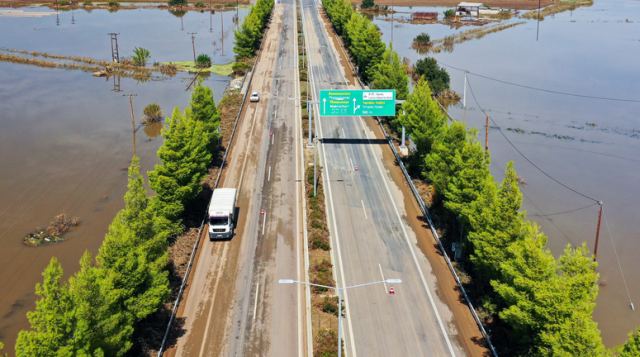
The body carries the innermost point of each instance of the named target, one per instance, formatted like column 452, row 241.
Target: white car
column 255, row 97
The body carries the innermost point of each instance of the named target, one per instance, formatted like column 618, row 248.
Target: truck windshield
column 218, row 221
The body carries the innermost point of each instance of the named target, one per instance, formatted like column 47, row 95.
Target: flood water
column 591, row 145
column 65, row 136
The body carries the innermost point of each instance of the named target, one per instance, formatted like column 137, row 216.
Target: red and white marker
column 392, row 291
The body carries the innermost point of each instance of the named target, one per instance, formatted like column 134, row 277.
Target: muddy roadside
column 469, row 334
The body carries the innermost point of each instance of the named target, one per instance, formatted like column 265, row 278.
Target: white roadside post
column 339, row 292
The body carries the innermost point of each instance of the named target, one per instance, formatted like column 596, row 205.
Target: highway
column 371, row 238
column 234, row 306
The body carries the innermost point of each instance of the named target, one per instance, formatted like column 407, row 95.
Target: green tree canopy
column 364, row 42
column 422, row 117
column 632, row 347
column 437, row 76
column 390, row 73
column 184, row 159
column 52, row 320
column 203, row 109
column 495, row 222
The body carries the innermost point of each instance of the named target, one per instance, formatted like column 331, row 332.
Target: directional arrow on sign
column 324, row 105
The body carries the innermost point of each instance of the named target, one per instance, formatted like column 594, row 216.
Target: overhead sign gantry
column 347, row 102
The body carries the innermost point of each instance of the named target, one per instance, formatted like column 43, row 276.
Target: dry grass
column 446, row 44
column 563, row 5
column 86, row 64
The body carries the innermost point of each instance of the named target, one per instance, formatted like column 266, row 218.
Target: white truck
column 222, row 213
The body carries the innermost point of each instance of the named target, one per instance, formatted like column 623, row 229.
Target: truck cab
column 221, row 218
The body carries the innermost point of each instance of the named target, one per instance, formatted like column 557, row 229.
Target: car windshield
column 218, row 221
column 255, row 94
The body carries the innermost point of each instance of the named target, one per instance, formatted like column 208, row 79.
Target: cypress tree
column 184, row 157
column 422, row 118
column 495, row 222
column 390, row 73
column 632, row 347
column 132, row 262
column 52, row 320
column 203, row 109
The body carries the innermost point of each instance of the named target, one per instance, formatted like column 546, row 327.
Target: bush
column 200, row 5
column 367, row 4
column 449, row 14
column 152, row 113
column 319, row 241
column 177, row 2
column 437, row 76
column 203, row 61
column 140, row 56
column 87, row 3
column 114, row 3
column 322, row 274
column 330, row 305
column 422, row 39
column 240, row 68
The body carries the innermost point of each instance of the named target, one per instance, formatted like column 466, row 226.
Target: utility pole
column 315, row 170
column 464, row 91
column 486, row 132
column 595, row 249
column 115, row 55
column 538, row 24
column 310, row 115
column 116, row 83
column 193, row 45
column 133, row 120
column 221, row 34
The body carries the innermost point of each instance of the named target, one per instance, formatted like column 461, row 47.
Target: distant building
column 468, row 9
column 424, row 16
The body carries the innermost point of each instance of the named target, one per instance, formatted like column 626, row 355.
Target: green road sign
column 355, row 103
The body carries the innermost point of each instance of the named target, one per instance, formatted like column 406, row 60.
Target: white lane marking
column 329, row 197
column 255, row 303
column 264, row 221
column 351, row 162
column 272, row 135
column 383, row 279
column 413, row 253
column 269, row 174
column 343, row 134
column 364, row 210
column 299, row 193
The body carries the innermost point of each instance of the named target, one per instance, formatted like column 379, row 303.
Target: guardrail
column 427, row 215
column 215, row 185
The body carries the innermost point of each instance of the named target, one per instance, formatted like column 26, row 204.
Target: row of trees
column 540, row 305
column 249, row 35
column 96, row 312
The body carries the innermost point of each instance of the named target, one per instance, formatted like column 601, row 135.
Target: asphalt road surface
column 371, row 237
column 234, row 305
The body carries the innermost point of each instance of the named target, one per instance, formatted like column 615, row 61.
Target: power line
column 525, row 156
column 564, row 212
column 615, row 252
column 545, row 90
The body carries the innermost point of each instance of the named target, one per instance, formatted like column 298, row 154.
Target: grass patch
column 188, row 66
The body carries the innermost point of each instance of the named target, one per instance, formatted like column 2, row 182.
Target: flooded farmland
column 589, row 141
column 65, row 136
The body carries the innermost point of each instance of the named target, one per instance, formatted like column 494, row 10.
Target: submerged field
column 65, row 135
column 589, row 142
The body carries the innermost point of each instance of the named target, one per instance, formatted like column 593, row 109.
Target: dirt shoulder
column 510, row 4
